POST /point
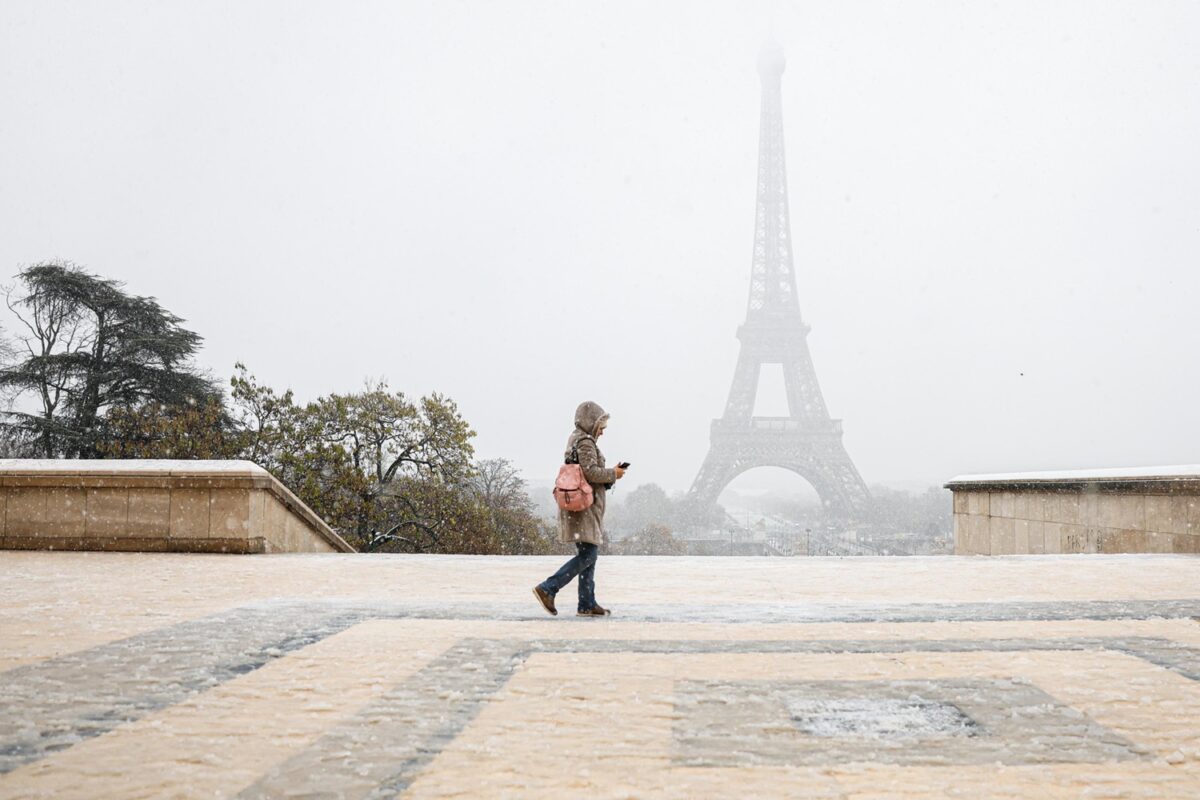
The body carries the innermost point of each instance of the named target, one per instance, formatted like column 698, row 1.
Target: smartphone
column 624, row 465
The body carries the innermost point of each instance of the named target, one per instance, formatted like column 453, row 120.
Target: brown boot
column 594, row 611
column 546, row 599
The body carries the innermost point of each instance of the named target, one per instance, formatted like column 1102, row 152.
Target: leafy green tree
column 498, row 486
column 154, row 430
column 90, row 347
column 434, row 516
column 392, row 445
column 265, row 420
column 418, row 515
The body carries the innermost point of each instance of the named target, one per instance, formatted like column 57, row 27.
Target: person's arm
column 589, row 459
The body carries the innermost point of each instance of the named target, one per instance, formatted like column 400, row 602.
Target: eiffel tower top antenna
column 772, row 274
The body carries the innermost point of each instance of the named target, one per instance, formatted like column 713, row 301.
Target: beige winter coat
column 587, row 525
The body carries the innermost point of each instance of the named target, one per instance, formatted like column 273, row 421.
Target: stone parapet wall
column 161, row 506
column 1145, row 510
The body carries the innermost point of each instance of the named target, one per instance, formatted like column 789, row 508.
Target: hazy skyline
column 995, row 210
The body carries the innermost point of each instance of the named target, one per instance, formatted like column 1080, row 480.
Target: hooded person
column 584, row 529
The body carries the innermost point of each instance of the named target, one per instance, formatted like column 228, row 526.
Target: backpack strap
column 574, row 457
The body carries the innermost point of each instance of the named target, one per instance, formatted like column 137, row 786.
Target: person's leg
column 587, row 575
column 564, row 575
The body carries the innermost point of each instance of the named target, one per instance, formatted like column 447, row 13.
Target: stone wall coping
column 140, row 473
column 131, row 466
column 1165, row 477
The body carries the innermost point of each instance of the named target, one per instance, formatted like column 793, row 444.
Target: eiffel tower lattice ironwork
column 807, row 442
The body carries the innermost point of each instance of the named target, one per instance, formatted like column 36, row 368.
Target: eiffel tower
column 807, row 442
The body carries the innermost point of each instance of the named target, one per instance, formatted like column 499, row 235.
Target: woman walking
column 584, row 529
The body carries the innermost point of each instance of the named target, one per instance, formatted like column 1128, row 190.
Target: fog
column 995, row 210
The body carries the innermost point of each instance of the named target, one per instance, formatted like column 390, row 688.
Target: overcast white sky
column 996, row 209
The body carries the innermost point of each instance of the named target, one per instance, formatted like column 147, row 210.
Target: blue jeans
column 583, row 565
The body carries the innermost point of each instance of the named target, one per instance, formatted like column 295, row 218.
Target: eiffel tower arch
column 807, row 441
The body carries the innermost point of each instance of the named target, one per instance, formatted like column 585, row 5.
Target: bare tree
column 497, row 484
column 53, row 322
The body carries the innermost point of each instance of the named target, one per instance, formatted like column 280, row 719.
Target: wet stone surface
column 181, row 676
column 939, row 722
column 892, row 719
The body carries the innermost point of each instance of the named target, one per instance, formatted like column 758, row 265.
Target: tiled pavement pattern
column 929, row 722
column 136, row 675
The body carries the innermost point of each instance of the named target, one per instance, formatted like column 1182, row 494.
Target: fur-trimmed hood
column 588, row 417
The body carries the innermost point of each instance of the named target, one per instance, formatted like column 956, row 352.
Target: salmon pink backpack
column 572, row 492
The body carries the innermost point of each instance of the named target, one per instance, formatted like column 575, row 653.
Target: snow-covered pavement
column 160, row 675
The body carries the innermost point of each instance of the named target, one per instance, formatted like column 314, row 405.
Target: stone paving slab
column 939, row 722
column 319, row 676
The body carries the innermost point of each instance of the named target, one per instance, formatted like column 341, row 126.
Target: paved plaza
column 350, row 676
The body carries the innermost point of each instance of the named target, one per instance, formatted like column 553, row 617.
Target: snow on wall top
column 1109, row 474
column 129, row 465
